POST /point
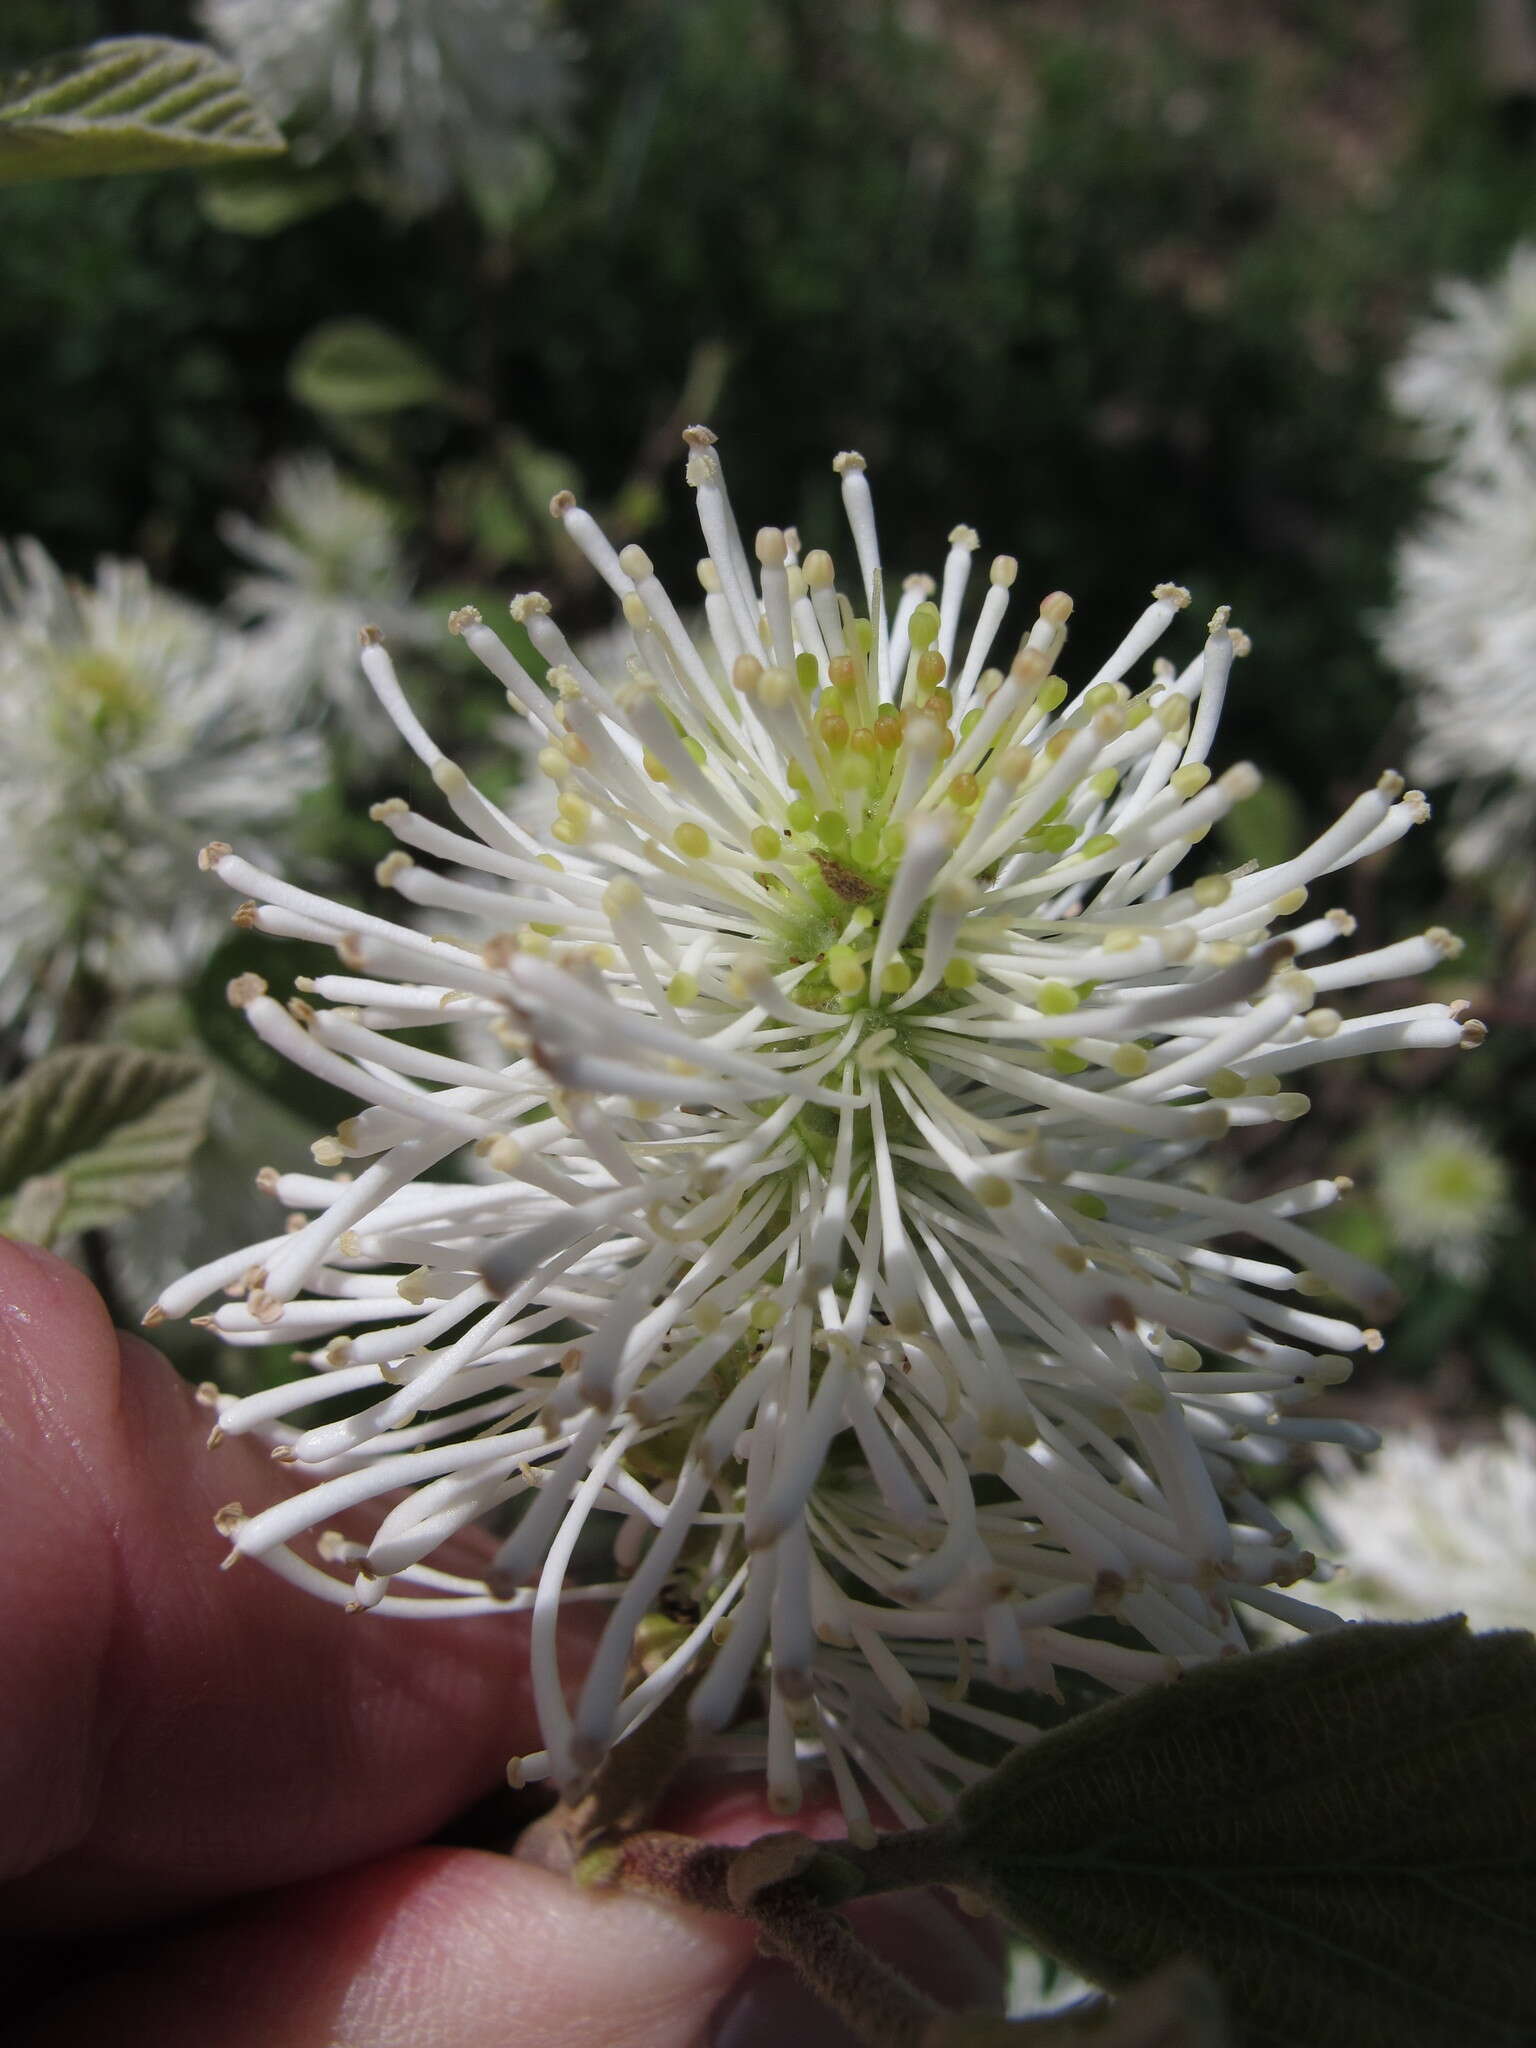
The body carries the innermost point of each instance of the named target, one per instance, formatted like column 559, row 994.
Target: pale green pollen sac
column 1051, row 695
column 1056, row 999
column 923, row 628
column 1179, row 1356
column 1101, row 842
column 1224, row 1084
column 971, row 720
column 796, row 777
column 1104, row 783
column 897, row 978
column 1065, row 1061
column 1189, row 780
column 766, row 843
column 696, row 750
column 807, row 673
column 855, row 772
column 801, row 815
column 692, row 840
column 844, row 970
column 1053, row 838
column 1130, row 1061
column 1094, row 1207
column 864, row 846
column 864, row 635
column 960, row 973
column 1211, row 890
column 764, row 1313
column 682, row 989
column 1100, row 697
column 831, row 828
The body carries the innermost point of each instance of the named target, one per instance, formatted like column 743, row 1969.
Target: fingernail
column 954, row 1960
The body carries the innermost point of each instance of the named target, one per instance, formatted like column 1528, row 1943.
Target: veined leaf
column 132, row 103
column 355, row 368
column 93, row 1133
column 1343, row 1833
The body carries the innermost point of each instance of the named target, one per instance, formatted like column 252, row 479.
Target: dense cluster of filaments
column 823, row 1086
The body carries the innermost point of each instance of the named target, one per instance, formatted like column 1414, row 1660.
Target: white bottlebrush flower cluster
column 1467, row 379
column 1428, row 1531
column 434, row 92
column 848, row 1043
column 1444, row 1192
column 328, row 552
column 109, row 692
column 1463, row 625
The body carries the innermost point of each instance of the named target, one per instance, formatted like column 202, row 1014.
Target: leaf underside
column 1342, row 1832
column 132, row 103
column 93, row 1133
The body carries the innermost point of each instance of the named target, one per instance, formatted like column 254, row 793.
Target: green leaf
column 224, row 1033
column 133, row 103
column 355, row 368
column 262, row 199
column 1267, row 827
column 1343, row 1832
column 93, row 1133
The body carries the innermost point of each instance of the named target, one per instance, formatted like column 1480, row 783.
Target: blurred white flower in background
column 1463, row 632
column 1468, row 377
column 1431, row 1532
column 327, row 560
column 437, row 93
column 1444, row 1191
column 1462, row 628
column 130, row 720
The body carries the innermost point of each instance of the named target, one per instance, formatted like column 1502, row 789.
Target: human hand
column 210, row 1786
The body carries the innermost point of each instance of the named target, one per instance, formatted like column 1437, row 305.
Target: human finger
column 458, row 1949
column 175, row 1733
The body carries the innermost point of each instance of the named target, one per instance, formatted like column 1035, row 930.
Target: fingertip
column 214, row 1731
column 48, row 1311
column 444, row 1948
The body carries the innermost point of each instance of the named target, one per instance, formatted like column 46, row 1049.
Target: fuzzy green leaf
column 263, row 199
column 133, row 103
column 355, row 368
column 94, row 1133
column 1343, row 1832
